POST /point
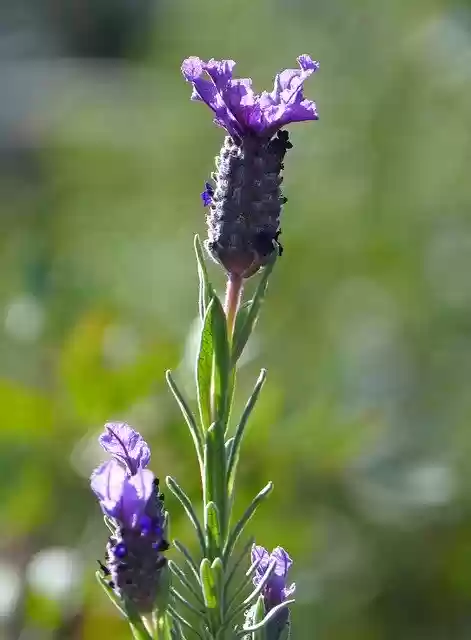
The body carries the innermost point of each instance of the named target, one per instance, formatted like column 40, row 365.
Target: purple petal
column 125, row 445
column 107, row 481
column 122, row 497
column 209, row 91
column 261, row 554
column 283, row 561
column 242, row 112
column 220, row 71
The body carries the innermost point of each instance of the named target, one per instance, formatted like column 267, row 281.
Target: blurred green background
column 364, row 424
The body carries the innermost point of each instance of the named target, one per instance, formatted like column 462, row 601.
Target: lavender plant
column 209, row 596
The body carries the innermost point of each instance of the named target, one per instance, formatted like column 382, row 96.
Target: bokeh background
column 365, row 422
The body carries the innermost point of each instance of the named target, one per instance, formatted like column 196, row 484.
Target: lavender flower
column 129, row 496
column 275, row 591
column 245, row 204
column 242, row 112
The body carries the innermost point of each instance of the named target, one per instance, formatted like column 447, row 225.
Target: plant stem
column 235, row 285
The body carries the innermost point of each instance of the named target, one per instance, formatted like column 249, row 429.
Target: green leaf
column 243, row 555
column 248, row 313
column 204, row 367
column 213, row 366
column 189, row 560
column 179, row 618
column 178, row 596
column 235, row 448
column 195, row 432
column 217, row 567
column 206, row 291
column 244, row 583
column 239, row 527
column 212, row 527
column 215, row 475
column 208, row 584
column 186, row 504
column 180, row 574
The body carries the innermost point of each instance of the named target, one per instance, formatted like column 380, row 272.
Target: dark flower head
column 244, row 206
column 125, row 445
column 129, row 496
column 241, row 111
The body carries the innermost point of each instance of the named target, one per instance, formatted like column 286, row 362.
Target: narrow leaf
column 178, row 596
column 239, row 527
column 206, row 289
column 208, row 584
column 186, row 504
column 243, row 555
column 204, row 367
column 246, row 581
column 180, row 574
column 187, row 414
column 212, row 527
column 215, row 474
column 258, row 589
column 189, row 560
column 235, row 449
column 229, row 444
column 177, row 616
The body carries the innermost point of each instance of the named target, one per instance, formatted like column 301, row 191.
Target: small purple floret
column 241, row 111
column 275, row 590
column 207, row 194
column 126, row 446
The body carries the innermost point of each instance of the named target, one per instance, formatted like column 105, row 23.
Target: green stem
column 234, row 288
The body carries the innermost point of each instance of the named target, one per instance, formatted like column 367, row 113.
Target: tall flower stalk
column 213, row 595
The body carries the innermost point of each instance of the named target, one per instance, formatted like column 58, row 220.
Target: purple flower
column 121, row 496
column 129, row 496
column 241, row 111
column 275, row 590
column 207, row 195
column 126, row 446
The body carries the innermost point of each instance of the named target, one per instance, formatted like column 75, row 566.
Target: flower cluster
column 130, row 499
column 245, row 203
